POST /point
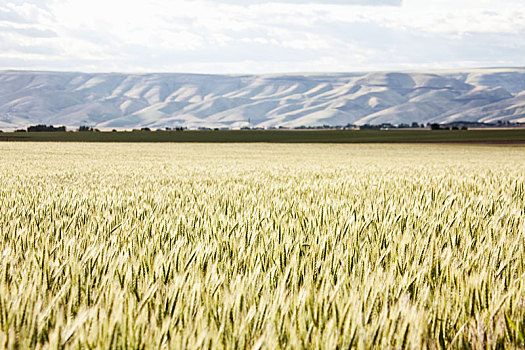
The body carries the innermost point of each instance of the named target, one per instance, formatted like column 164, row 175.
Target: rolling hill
column 157, row 100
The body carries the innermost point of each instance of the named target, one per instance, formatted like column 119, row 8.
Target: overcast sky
column 256, row 36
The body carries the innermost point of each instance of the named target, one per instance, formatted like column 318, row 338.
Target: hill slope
column 113, row 100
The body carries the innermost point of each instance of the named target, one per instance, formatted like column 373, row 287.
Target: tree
column 43, row 127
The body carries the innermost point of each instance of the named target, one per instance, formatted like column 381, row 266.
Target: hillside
column 114, row 100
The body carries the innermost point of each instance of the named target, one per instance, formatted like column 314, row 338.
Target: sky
column 257, row 36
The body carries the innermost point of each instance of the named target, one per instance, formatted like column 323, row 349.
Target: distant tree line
column 457, row 125
column 178, row 128
column 382, row 126
column 51, row 128
column 45, row 128
column 436, row 126
column 84, row 128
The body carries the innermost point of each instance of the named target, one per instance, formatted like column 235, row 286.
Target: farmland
column 148, row 245
column 515, row 135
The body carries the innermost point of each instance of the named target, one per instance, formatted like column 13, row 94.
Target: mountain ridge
column 158, row 100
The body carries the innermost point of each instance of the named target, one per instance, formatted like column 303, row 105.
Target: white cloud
column 337, row 2
column 259, row 36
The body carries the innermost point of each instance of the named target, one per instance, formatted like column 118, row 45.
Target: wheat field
column 148, row 246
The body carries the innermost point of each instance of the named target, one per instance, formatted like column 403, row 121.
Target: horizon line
column 268, row 74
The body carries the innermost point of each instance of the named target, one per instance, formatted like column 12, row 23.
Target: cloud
column 7, row 15
column 326, row 2
column 253, row 36
column 28, row 31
